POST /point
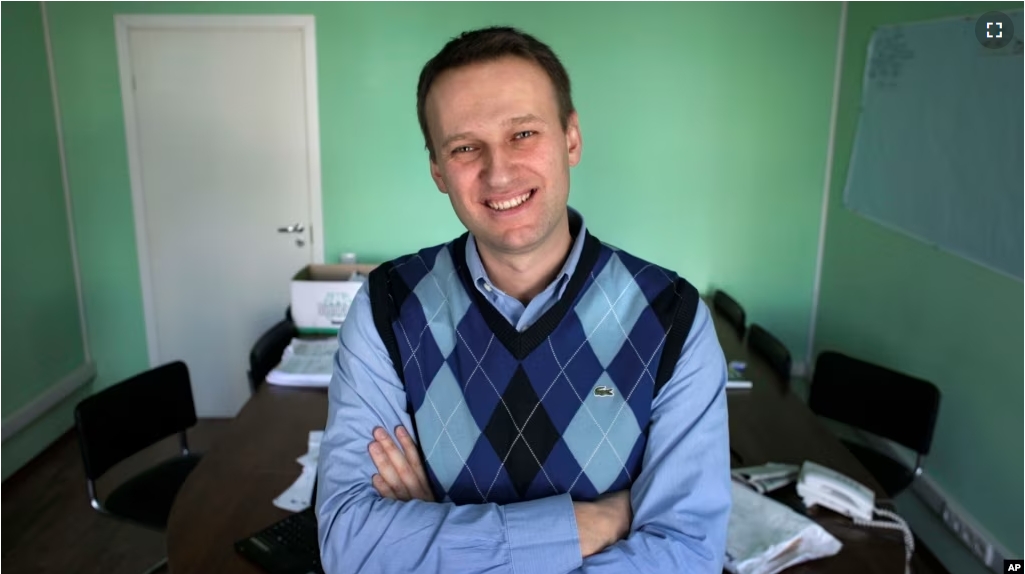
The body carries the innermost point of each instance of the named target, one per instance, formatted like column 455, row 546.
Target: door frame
column 123, row 23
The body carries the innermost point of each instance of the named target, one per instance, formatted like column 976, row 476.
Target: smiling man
column 556, row 404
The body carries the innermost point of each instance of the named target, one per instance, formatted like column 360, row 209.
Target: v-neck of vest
column 520, row 345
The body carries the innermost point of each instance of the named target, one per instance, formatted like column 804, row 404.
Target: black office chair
column 266, row 353
column 883, row 402
column 772, row 350
column 120, row 421
column 731, row 310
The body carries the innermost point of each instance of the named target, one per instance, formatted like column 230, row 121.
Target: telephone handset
column 818, row 485
column 827, row 487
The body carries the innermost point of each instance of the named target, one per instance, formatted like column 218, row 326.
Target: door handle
column 294, row 228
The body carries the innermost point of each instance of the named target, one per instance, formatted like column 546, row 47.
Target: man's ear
column 436, row 176
column 574, row 141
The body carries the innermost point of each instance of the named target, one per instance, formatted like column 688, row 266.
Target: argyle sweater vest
column 563, row 407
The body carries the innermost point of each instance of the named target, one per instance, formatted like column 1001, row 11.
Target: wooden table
column 769, row 423
column 228, row 496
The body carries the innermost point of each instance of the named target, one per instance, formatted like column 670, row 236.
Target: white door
column 221, row 125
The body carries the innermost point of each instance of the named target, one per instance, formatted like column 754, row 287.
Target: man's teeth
column 509, row 203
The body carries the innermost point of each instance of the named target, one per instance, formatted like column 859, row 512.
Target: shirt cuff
column 543, row 535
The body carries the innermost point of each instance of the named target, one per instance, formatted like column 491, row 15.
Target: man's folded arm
column 361, row 531
column 681, row 499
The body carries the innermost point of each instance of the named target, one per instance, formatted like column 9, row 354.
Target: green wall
column 891, row 299
column 703, row 154
column 41, row 333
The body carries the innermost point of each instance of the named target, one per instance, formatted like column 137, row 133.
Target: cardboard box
column 321, row 295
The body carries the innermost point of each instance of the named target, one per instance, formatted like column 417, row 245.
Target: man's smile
column 507, row 204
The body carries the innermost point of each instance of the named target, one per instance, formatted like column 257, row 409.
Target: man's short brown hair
column 485, row 45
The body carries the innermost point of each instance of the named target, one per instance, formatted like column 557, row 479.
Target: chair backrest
column 121, row 420
column 876, row 399
column 730, row 310
column 771, row 349
column 266, row 352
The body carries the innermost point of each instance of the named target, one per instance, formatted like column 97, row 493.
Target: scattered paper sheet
column 766, row 537
column 299, row 496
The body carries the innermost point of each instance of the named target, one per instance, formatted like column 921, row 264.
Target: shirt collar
column 577, row 228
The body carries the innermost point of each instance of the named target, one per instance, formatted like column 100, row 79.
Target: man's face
column 501, row 154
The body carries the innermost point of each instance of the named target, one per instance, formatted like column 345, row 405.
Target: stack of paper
column 299, row 496
column 306, row 363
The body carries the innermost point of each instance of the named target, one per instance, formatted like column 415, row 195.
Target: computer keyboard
column 288, row 546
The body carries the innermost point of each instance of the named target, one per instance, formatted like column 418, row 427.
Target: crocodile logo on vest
column 603, row 391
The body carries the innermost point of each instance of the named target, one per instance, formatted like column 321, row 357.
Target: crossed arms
column 679, row 502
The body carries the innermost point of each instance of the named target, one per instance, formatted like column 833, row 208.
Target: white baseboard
column 49, row 399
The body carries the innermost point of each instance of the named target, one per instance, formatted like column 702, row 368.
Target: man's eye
column 462, row 149
column 524, row 134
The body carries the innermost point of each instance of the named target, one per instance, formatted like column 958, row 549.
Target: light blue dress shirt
column 680, row 500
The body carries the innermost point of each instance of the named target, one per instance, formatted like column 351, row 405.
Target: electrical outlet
column 968, row 535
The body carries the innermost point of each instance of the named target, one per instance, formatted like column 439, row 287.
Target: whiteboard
column 938, row 150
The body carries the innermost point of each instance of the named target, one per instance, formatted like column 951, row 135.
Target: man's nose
column 498, row 168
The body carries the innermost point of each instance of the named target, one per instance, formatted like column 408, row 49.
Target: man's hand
column 401, row 475
column 604, row 522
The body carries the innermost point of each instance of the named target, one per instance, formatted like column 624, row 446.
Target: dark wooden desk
column 228, row 496
column 770, row 424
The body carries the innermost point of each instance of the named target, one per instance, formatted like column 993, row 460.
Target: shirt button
column 487, row 288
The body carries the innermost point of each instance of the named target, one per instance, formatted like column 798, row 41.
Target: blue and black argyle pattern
column 505, row 416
